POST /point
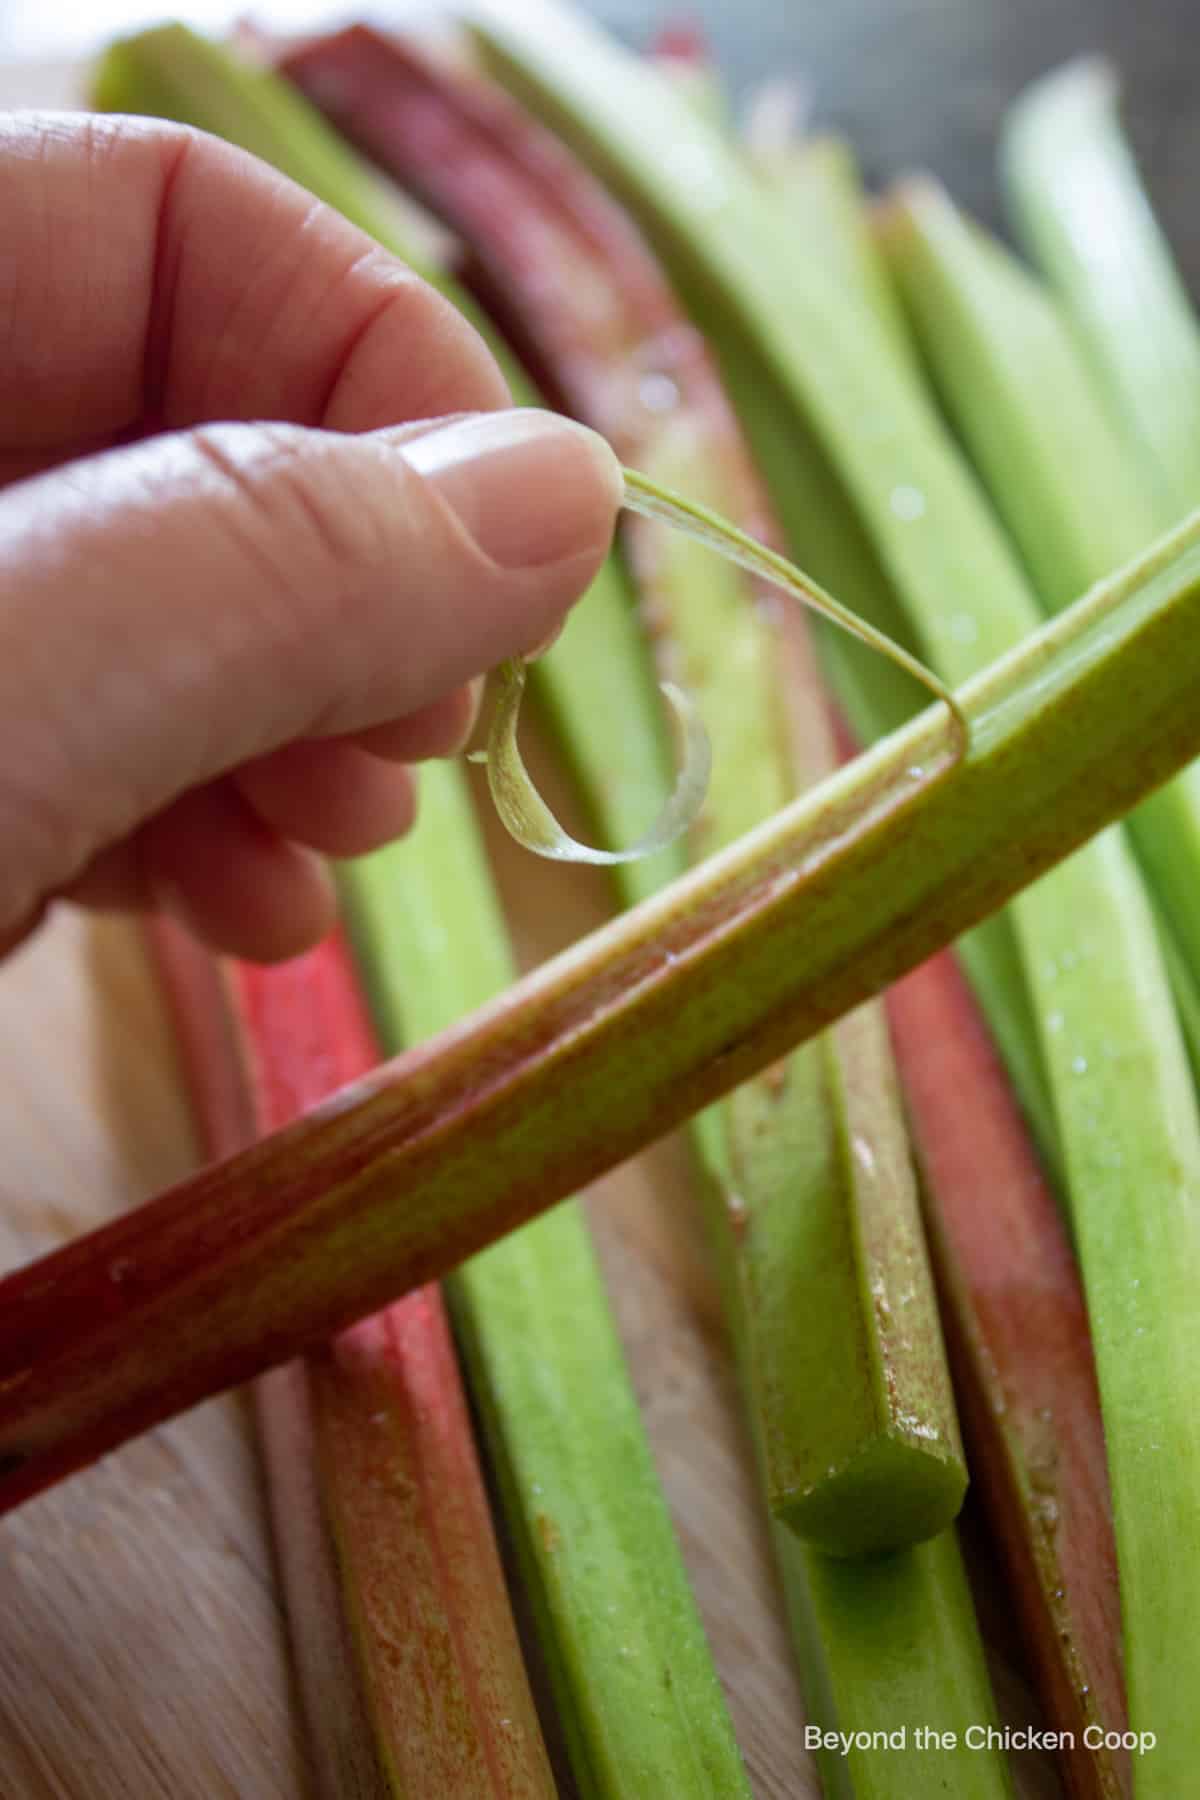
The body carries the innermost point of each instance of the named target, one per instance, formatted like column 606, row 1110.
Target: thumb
column 199, row 601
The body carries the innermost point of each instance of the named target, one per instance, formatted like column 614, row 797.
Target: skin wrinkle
column 164, row 278
column 50, row 375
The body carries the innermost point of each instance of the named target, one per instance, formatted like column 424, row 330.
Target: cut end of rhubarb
column 897, row 1493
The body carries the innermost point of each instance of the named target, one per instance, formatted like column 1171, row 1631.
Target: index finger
column 156, row 277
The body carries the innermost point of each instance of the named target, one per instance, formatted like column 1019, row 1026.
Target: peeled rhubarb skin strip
column 631, row 1671
column 861, row 1447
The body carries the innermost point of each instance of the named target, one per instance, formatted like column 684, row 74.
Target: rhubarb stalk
column 1079, row 201
column 413, row 1168
column 393, row 1578
column 1025, row 1374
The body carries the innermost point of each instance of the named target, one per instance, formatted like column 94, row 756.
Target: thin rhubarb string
column 521, row 808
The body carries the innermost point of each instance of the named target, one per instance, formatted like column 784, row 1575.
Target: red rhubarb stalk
column 1017, row 1326
column 394, row 1586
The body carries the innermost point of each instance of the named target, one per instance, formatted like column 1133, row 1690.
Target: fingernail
column 475, row 689
column 530, row 488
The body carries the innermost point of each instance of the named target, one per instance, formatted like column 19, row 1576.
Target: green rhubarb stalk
column 404, row 1639
column 821, row 197
column 1023, row 1358
column 885, row 1640
column 629, row 1665
column 818, row 1230
column 171, row 72
column 1080, row 204
column 816, row 184
column 837, row 1315
column 433, row 1156
column 1012, row 377
column 1079, row 200
column 632, row 1670
column 1024, row 1369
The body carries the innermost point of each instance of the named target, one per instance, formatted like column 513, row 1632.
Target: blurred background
column 915, row 83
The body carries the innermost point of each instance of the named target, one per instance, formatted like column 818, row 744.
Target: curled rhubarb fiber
column 527, row 818
column 397, row 1179
column 521, row 808
column 852, row 1397
column 407, row 1653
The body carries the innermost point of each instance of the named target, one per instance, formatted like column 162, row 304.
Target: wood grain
column 142, row 1648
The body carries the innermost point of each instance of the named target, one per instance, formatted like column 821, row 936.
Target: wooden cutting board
column 143, row 1651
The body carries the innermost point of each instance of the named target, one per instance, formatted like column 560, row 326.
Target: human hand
column 225, row 641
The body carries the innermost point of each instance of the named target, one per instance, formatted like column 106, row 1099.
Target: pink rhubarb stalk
column 1025, row 1375
column 394, row 1585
